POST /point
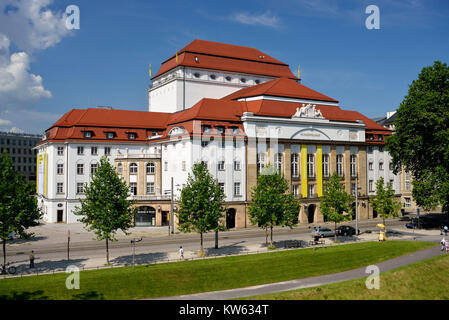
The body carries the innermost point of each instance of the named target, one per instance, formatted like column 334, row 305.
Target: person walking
column 32, row 259
column 181, row 252
column 443, row 244
column 445, row 231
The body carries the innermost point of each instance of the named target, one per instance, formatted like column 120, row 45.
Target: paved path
column 310, row 282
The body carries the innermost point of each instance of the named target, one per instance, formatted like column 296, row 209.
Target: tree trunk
column 266, row 235
column 216, row 239
column 271, row 234
column 107, row 251
column 4, row 256
column 201, row 242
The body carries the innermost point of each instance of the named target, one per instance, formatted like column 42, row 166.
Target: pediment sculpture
column 308, row 111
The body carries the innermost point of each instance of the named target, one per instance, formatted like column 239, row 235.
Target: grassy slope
column 206, row 275
column 424, row 280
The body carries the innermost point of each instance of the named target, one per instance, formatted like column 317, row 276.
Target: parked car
column 322, row 232
column 346, row 231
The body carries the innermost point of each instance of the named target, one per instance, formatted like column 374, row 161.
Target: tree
column 272, row 205
column 201, row 204
column 335, row 202
column 385, row 202
column 18, row 205
column 420, row 144
column 106, row 208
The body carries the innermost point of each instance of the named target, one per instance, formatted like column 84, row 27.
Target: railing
column 149, row 197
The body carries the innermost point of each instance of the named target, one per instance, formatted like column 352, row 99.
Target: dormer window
column 154, row 133
column 228, row 78
column 213, row 76
column 110, row 135
column 220, row 129
column 257, row 81
column 132, row 135
column 87, row 134
column 243, row 80
column 196, row 75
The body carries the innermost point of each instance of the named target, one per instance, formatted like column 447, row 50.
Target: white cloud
column 30, row 25
column 16, row 130
column 4, row 122
column 265, row 19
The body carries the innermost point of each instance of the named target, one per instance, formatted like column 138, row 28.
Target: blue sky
column 105, row 62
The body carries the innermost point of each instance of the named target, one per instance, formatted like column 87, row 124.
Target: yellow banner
column 319, row 169
column 304, row 171
column 45, row 173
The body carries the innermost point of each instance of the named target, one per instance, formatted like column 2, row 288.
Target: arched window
column 150, row 168
column 295, row 167
column 120, row 168
column 133, row 168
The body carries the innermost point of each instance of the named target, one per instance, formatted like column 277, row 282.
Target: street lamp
column 133, row 242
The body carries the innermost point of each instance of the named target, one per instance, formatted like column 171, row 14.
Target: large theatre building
column 235, row 109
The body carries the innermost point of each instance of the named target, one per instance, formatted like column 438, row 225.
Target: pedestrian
column 441, row 230
column 32, row 259
column 445, row 231
column 181, row 252
column 443, row 244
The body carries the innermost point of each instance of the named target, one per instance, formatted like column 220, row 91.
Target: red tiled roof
column 226, row 57
column 281, row 87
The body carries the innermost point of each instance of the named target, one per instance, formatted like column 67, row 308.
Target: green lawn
column 423, row 280
column 187, row 277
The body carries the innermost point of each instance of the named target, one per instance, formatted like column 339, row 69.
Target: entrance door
column 60, row 215
column 311, row 213
column 230, row 219
column 164, row 218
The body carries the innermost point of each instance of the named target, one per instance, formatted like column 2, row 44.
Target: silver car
column 322, row 232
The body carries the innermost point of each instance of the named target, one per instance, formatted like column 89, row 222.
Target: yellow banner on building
column 319, row 170
column 45, row 173
column 304, row 171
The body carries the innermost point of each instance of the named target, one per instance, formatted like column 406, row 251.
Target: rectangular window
column 353, row 165
column 236, row 165
column 80, row 168
column 371, row 186
column 59, row 187
column 80, row 187
column 183, row 165
column 93, row 151
column 381, row 166
column 150, row 187
column 295, row 166
column 407, row 202
column 80, row 151
column 278, row 162
column 407, row 181
column 295, row 190
column 353, row 189
column 93, row 168
column 325, row 165
column 60, row 151
column 260, row 162
column 310, row 189
column 340, row 165
column 310, row 165
column 221, row 165
column 390, row 166
column 222, row 186
column 391, row 183
column 60, row 168
column 237, row 189
column 370, row 166
column 107, row 151
column 165, row 166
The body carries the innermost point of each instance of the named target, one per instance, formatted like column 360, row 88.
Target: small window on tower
column 228, row 78
column 196, row 75
column 257, row 81
column 213, row 76
column 243, row 80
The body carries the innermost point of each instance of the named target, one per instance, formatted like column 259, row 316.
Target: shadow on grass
column 142, row 258
column 289, row 243
column 24, row 295
column 90, row 295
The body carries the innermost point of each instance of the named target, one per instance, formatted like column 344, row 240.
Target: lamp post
column 133, row 242
column 171, row 204
column 356, row 204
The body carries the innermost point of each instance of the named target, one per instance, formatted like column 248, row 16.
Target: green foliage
column 271, row 205
column 18, row 205
column 421, row 141
column 385, row 202
column 201, row 204
column 335, row 202
column 105, row 208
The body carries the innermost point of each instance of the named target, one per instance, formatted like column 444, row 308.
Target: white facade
column 379, row 165
column 182, row 87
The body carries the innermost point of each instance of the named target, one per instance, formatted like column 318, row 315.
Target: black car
column 346, row 231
